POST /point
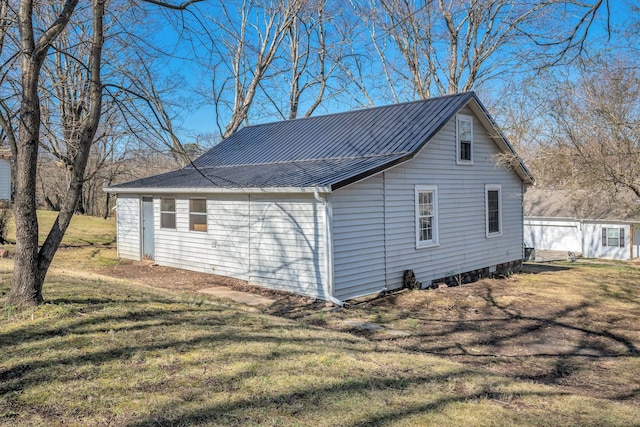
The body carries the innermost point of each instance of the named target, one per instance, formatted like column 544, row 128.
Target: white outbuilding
column 5, row 175
column 578, row 222
column 339, row 206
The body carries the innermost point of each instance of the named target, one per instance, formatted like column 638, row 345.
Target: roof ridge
column 359, row 110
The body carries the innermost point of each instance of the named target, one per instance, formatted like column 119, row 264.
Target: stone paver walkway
column 240, row 297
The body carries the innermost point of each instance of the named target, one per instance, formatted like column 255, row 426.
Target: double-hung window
column 464, row 139
column 426, row 200
column 167, row 213
column 493, row 203
column 198, row 214
column 613, row 236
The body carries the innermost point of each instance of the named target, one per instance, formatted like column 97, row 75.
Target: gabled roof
column 321, row 153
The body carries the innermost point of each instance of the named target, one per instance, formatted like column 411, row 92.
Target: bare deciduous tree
column 250, row 40
column 452, row 46
column 598, row 122
column 38, row 30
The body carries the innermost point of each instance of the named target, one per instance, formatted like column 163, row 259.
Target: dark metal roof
column 303, row 173
column 325, row 151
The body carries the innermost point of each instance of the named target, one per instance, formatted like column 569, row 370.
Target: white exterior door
column 147, row 228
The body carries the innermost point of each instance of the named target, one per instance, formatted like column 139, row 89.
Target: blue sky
column 198, row 117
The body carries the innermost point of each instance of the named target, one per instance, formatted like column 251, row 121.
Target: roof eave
column 214, row 190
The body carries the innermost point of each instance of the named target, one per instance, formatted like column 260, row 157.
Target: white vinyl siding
column 287, row 244
column 358, row 238
column 5, row 179
column 222, row 249
column 275, row 241
column 128, row 225
column 389, row 247
column 561, row 234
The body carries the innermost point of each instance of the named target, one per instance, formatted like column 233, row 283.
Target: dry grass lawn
column 551, row 348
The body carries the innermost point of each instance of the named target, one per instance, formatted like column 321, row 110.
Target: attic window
column 464, row 139
column 198, row 214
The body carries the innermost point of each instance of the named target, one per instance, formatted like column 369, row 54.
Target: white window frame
column 463, row 118
column 198, row 214
column 607, row 235
column 487, row 189
column 165, row 213
column 435, row 237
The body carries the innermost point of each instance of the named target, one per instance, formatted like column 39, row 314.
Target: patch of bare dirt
column 184, row 281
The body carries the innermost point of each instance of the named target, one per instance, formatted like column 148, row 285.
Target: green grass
column 102, row 351
column 83, row 230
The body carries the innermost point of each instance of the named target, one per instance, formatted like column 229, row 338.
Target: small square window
column 613, row 236
column 168, row 213
column 198, row 214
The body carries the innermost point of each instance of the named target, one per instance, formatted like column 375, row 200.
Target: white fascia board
column 213, row 190
column 550, row 218
column 583, row 220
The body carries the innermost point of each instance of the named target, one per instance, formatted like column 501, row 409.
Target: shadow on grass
column 287, row 404
column 217, row 322
column 554, row 347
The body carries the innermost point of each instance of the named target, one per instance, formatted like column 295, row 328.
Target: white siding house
column 339, row 206
column 386, row 203
column 592, row 238
column 563, row 221
column 5, row 177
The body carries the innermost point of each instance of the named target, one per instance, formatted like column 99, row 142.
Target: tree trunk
column 106, row 206
column 26, row 289
column 29, row 272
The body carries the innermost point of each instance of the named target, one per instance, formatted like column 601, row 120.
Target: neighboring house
column 572, row 222
column 5, row 175
column 338, row 206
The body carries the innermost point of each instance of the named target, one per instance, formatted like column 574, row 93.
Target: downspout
column 327, row 285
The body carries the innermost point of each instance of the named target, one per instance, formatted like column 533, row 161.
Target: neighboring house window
column 426, row 215
column 168, row 213
column 464, row 138
column 493, row 203
column 613, row 237
column 198, row 214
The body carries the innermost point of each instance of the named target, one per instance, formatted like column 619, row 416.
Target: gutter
column 328, row 256
column 212, row 190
